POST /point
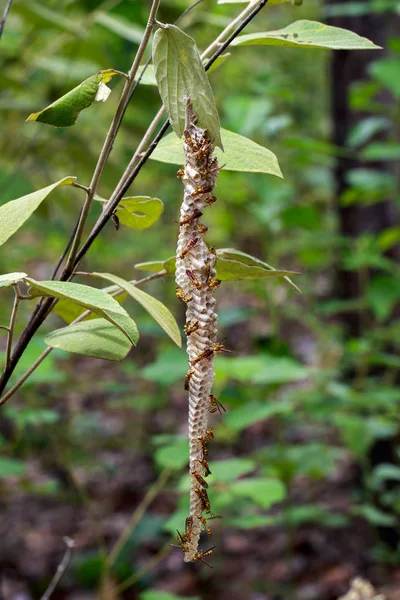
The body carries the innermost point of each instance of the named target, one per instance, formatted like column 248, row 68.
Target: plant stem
column 13, row 317
column 81, row 317
column 112, row 134
column 137, row 516
column 4, row 17
column 62, row 567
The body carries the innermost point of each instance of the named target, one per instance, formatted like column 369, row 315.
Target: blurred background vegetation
column 306, row 461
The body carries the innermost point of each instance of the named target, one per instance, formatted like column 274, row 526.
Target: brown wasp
column 199, row 479
column 180, row 173
column 213, row 283
column 188, row 528
column 200, row 556
column 189, row 246
column 196, row 282
column 202, row 229
column 203, row 443
column 190, row 218
column 202, row 189
column 205, row 466
column 188, row 377
column 191, row 327
column 209, row 352
column 182, row 543
column 215, row 405
column 180, row 294
column 210, row 199
column 203, row 497
column 209, row 433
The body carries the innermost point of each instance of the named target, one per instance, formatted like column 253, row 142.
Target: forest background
column 306, row 462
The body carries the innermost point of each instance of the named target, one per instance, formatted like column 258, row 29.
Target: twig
column 111, row 135
column 4, row 17
column 4, row 327
column 81, row 317
column 137, row 516
column 62, row 567
column 13, row 317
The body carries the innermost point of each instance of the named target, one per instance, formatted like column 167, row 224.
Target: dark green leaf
column 11, row 467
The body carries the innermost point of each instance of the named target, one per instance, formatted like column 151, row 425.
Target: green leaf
column 232, row 270
column 387, row 73
column 169, row 367
column 65, row 111
column 159, row 595
column 148, row 78
column 294, row 2
column 42, row 16
column 381, row 151
column 91, row 298
column 363, row 131
column 10, row 278
column 225, row 471
column 10, row 467
column 154, row 307
column 240, row 154
column 307, row 34
column 375, row 516
column 13, row 214
column 139, row 212
column 218, row 62
column 253, row 412
column 69, row 311
column 174, row 455
column 98, row 339
column 121, row 27
column 263, row 491
column 181, row 77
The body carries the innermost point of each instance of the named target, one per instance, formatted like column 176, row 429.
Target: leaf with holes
column 240, row 154
column 181, row 77
column 65, row 111
column 97, row 339
column 154, row 307
column 90, row 298
column 13, row 214
column 308, row 34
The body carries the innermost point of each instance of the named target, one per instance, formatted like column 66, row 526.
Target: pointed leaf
column 65, row 111
column 232, row 270
column 181, row 77
column 240, row 154
column 98, row 339
column 10, row 278
column 121, row 27
column 138, row 212
column 154, row 307
column 69, row 311
column 13, row 214
column 308, row 34
column 92, row 299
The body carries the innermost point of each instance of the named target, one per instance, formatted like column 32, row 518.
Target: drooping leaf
column 240, row 154
column 98, row 339
column 307, row 34
column 232, row 270
column 10, row 278
column 92, row 299
column 65, row 111
column 181, row 77
column 13, row 214
column 69, row 311
column 154, row 307
column 263, row 491
column 139, row 212
column 121, row 27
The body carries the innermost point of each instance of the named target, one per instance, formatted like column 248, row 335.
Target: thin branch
column 13, row 317
column 81, row 317
column 4, row 17
column 62, row 567
column 111, row 135
column 137, row 516
column 4, row 327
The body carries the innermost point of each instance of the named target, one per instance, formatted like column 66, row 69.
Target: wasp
column 210, row 199
column 202, row 229
column 191, row 327
column 196, row 282
column 212, row 250
column 188, row 377
column 200, row 556
column 205, row 466
column 203, row 497
column 190, row 218
column 115, row 220
column 182, row 543
column 188, row 528
column 180, row 173
column 202, row 189
column 203, row 521
column 189, row 246
column 199, row 478
column 203, row 443
column 180, row 294
column 209, row 433
column 213, row 283
column 215, row 405
column 209, row 352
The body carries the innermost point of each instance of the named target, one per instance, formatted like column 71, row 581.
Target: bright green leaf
column 13, row 214
column 174, row 455
column 218, row 62
column 98, row 339
column 65, row 111
column 68, row 311
column 387, row 73
column 154, row 307
column 375, row 516
column 240, row 154
column 381, row 151
column 181, row 77
column 91, row 298
column 263, row 491
column 139, row 212
column 307, row 34
column 121, row 27
column 225, row 471
column 159, row 595
column 148, row 77
column 232, row 270
column 11, row 467
column 253, row 412
column 153, row 266
column 10, row 278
